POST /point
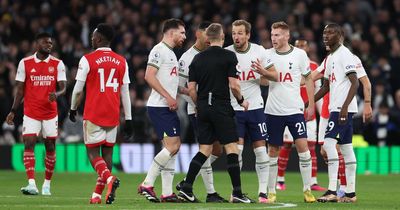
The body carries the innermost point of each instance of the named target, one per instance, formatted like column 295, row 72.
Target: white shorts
column 323, row 122
column 94, row 135
column 32, row 127
column 311, row 132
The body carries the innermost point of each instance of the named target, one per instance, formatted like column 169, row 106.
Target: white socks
column 273, row 173
column 305, row 169
column 31, row 182
column 159, row 162
column 207, row 174
column 240, row 148
column 167, row 176
column 46, row 183
column 262, row 168
column 333, row 162
column 351, row 166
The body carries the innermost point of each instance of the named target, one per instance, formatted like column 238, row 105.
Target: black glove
column 128, row 129
column 72, row 115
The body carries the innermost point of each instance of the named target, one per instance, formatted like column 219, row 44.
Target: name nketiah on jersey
column 250, row 80
column 164, row 59
column 284, row 95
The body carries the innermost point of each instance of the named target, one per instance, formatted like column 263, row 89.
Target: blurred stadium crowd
column 372, row 30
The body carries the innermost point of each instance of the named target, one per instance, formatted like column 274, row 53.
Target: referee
column 213, row 71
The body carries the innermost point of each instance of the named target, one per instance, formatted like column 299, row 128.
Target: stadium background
column 371, row 30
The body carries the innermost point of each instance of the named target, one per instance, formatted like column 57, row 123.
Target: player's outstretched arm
column 19, row 95
column 126, row 105
column 322, row 91
column 367, row 113
column 154, row 83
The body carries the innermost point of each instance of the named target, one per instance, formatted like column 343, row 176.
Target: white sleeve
column 83, row 69
column 21, row 72
column 61, row 76
column 126, row 101
column 155, row 58
column 183, row 72
column 348, row 62
column 125, row 79
column 266, row 58
column 304, row 64
column 78, row 88
column 321, row 68
column 326, row 72
column 359, row 67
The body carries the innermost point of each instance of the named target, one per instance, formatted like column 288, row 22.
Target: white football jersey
column 250, row 80
column 284, row 95
column 164, row 59
column 184, row 63
column 359, row 67
column 339, row 64
column 360, row 70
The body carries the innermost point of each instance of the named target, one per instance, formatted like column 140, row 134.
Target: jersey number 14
column 111, row 82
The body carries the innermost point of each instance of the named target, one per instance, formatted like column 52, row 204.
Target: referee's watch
column 240, row 101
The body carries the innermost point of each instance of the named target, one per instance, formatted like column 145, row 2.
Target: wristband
column 367, row 101
column 240, row 101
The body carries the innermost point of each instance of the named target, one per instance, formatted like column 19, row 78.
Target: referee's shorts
column 216, row 122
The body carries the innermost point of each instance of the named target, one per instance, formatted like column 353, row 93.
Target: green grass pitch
column 73, row 190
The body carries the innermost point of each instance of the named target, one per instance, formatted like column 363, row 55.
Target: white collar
column 104, row 48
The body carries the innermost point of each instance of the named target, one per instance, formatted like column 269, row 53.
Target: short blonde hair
column 280, row 25
column 247, row 25
column 214, row 31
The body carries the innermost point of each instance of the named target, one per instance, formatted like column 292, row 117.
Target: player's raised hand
column 52, row 96
column 257, row 67
column 245, row 105
column 172, row 104
column 72, row 115
column 128, row 129
column 10, row 118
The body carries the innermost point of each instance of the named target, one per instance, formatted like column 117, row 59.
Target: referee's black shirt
column 210, row 69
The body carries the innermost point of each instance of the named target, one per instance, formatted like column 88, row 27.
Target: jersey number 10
column 111, row 82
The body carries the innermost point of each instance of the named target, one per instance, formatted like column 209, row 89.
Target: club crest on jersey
column 290, row 65
column 181, row 63
column 51, row 69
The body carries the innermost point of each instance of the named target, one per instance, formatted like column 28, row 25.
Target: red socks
column 100, row 184
column 283, row 160
column 342, row 170
column 311, row 147
column 29, row 163
column 50, row 162
column 101, row 168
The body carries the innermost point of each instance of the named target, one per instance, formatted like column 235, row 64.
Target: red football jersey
column 104, row 72
column 303, row 90
column 40, row 79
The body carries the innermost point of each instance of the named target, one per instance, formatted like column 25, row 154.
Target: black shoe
column 186, row 196
column 179, row 185
column 328, row 196
column 241, row 199
column 215, row 198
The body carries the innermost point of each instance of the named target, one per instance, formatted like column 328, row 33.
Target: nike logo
column 264, row 134
column 190, row 198
column 301, row 133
